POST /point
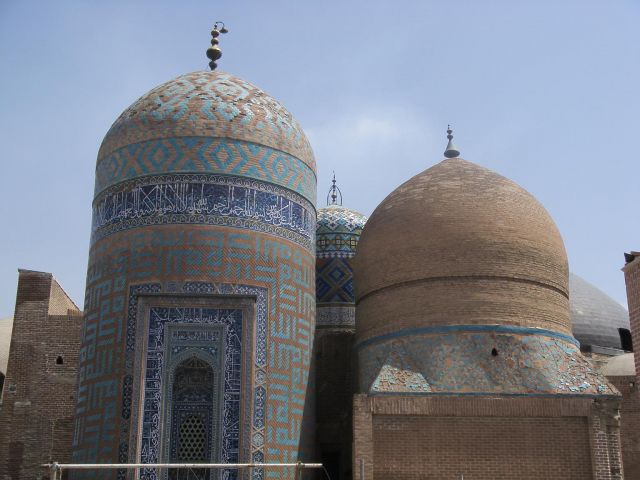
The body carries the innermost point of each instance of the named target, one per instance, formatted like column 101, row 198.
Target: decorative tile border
column 155, row 375
column 335, row 316
column 438, row 329
column 204, row 199
column 199, row 155
column 200, row 296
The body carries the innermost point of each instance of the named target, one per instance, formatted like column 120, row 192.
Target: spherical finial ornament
column 451, row 151
column 213, row 52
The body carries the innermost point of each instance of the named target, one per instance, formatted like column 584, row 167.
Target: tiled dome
column 338, row 231
column 203, row 105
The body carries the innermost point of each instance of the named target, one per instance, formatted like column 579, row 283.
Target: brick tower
column 200, row 303
column 632, row 280
column 36, row 416
column 629, row 383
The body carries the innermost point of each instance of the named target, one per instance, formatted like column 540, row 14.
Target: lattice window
column 192, row 412
column 193, row 438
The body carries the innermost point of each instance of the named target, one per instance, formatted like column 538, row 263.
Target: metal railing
column 56, row 469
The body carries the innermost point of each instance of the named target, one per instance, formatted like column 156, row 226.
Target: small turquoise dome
column 338, row 231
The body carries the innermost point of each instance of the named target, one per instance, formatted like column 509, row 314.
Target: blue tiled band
column 204, row 199
column 206, row 155
column 468, row 329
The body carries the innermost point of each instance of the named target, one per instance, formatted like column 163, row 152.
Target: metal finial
column 451, row 151
column 334, row 192
column 213, row 52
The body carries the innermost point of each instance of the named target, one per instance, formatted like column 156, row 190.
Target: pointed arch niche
column 194, row 361
column 192, row 393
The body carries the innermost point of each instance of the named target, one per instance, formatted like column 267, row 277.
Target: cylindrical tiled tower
column 337, row 235
column 200, row 303
column 462, row 287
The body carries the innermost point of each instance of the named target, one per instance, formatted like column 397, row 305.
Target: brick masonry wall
column 632, row 280
column 629, row 424
column 485, row 438
column 39, row 395
column 408, row 447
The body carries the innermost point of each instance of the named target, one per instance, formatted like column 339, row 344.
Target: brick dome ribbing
column 460, row 245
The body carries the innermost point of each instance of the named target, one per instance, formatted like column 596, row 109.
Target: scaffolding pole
column 55, row 469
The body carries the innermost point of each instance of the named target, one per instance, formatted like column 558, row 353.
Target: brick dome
column 201, row 105
column 460, row 245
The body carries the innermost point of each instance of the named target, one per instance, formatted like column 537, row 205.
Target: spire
column 214, row 52
column 334, row 193
column 451, row 151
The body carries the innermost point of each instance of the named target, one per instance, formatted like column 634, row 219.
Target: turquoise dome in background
column 338, row 231
column 337, row 234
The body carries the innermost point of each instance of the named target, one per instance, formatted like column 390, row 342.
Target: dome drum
column 462, row 288
column 477, row 360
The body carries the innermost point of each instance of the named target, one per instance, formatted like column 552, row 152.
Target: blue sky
column 544, row 92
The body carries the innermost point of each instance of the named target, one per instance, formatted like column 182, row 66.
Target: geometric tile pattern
column 209, row 104
column 189, row 154
column 159, row 321
column 338, row 232
column 334, row 281
column 478, row 360
column 204, row 199
column 337, row 235
column 122, row 260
